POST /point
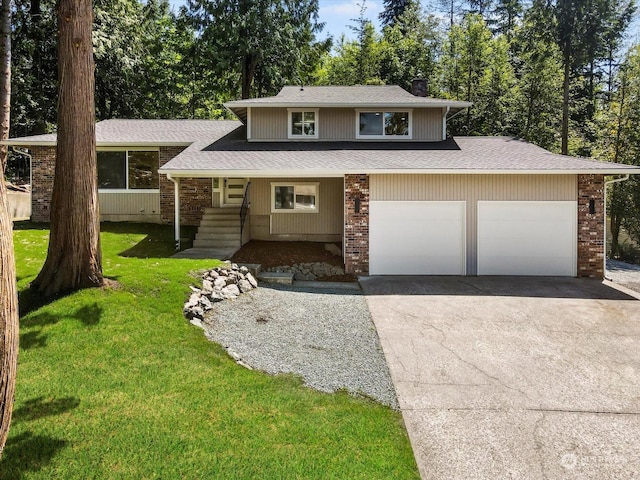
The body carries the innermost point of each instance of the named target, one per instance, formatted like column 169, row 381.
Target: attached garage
column 527, row 238
column 417, row 238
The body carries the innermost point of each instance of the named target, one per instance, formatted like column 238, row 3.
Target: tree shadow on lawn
column 89, row 315
column 26, row 452
column 159, row 241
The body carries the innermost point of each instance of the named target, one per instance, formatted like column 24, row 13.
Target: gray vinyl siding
column 268, row 123
column 427, row 124
column 337, row 124
column 471, row 189
column 326, row 225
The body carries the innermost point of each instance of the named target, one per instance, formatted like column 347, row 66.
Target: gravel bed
column 626, row 274
column 325, row 336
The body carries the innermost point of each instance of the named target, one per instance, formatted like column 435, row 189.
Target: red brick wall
column 43, row 166
column 356, row 228
column 590, row 226
column 195, row 193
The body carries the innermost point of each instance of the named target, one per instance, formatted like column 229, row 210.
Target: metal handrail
column 244, row 209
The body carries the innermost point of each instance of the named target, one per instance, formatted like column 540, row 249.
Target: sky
column 336, row 14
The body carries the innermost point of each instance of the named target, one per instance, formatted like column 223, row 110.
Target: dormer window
column 303, row 123
column 384, row 124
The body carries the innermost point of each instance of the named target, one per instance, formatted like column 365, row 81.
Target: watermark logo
column 569, row 461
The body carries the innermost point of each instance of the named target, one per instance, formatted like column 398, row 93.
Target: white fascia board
column 53, row 143
column 369, row 105
column 340, row 173
column 29, row 143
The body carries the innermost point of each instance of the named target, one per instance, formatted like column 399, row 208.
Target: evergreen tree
column 620, row 142
column 464, row 68
column 393, row 10
column 414, row 54
column 246, row 37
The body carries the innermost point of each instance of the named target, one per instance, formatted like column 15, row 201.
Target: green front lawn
column 114, row 383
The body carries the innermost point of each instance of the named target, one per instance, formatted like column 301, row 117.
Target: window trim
column 294, row 185
column 127, row 150
column 290, row 134
column 408, row 111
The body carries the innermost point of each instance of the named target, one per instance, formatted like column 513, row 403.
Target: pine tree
column 393, row 10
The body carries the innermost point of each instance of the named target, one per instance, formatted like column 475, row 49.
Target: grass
column 114, row 383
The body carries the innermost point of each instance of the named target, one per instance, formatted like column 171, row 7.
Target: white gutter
column 53, row 143
column 176, row 201
column 444, row 123
column 368, row 105
column 24, row 152
column 211, row 173
column 606, row 184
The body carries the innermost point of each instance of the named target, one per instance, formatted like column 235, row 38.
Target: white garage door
column 527, row 238
column 417, row 238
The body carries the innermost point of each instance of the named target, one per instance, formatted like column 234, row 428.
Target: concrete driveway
column 524, row 378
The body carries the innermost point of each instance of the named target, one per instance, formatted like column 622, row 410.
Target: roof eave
column 243, row 104
column 53, row 143
column 339, row 173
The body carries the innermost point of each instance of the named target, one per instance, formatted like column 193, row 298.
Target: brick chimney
column 419, row 87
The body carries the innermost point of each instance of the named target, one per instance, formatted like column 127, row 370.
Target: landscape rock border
column 219, row 283
column 309, row 271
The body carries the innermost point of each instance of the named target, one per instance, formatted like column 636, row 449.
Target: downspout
column 444, row 123
column 606, row 184
column 452, row 116
column 176, row 204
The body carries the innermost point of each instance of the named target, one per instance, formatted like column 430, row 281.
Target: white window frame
column 294, row 185
column 408, row 111
column 304, row 136
column 126, row 150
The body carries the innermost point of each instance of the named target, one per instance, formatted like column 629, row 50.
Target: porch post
column 176, row 206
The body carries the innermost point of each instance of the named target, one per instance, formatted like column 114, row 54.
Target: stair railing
column 244, row 210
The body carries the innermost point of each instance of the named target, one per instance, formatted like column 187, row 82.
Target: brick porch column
column 43, row 169
column 195, row 193
column 356, row 225
column 591, row 239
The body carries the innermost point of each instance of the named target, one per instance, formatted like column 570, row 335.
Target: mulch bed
column 277, row 254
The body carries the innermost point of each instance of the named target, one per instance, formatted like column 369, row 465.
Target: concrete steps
column 274, row 277
column 219, row 228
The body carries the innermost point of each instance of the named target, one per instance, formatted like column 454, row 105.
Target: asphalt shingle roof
column 459, row 155
column 365, row 95
column 145, row 132
column 219, row 148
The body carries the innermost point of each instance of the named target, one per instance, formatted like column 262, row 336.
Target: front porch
column 229, row 212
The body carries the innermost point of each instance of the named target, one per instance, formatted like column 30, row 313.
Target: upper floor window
column 389, row 124
column 128, row 170
column 303, row 123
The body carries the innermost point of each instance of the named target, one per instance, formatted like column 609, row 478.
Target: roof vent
column 419, row 87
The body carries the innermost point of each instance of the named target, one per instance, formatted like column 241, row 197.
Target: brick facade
column 356, row 225
column 43, row 166
column 195, row 193
column 591, row 226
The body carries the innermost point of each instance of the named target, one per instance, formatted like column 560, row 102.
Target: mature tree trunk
column 74, row 260
column 8, row 291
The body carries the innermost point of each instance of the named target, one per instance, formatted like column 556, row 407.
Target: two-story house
column 370, row 166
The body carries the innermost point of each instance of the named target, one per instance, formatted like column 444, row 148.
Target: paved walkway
column 524, row 378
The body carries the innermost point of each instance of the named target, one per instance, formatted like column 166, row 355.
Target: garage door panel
column 417, row 238
column 527, row 238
